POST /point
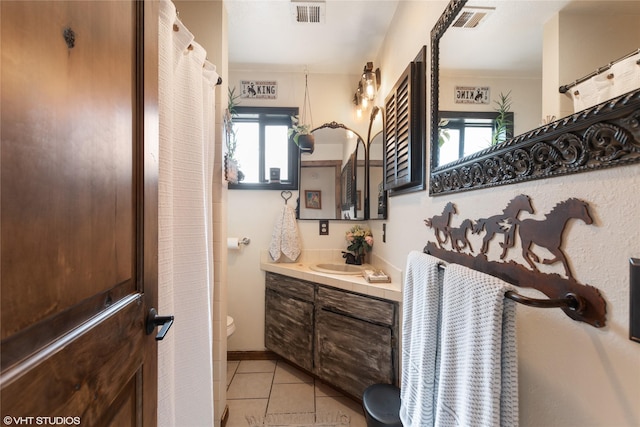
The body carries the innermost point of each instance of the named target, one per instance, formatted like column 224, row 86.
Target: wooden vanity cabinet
column 355, row 342
column 350, row 340
column 289, row 316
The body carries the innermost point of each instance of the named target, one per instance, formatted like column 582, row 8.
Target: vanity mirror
column 347, row 171
column 489, row 49
column 332, row 172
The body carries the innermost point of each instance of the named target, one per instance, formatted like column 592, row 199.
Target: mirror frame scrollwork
column 602, row 136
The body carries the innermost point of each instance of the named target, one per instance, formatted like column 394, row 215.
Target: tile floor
column 260, row 387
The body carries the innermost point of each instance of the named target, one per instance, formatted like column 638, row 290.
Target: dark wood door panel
column 67, row 156
column 80, row 374
column 78, row 210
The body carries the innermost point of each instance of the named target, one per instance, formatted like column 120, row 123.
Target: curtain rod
column 565, row 88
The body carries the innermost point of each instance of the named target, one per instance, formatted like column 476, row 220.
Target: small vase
column 359, row 259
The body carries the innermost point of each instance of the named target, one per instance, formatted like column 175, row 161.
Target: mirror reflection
column 523, row 51
column 329, row 176
column 377, row 195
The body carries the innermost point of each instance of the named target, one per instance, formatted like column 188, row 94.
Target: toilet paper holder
column 244, row 241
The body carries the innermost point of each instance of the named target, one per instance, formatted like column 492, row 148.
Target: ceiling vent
column 471, row 17
column 308, row 11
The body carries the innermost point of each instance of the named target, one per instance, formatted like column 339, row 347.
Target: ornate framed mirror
column 552, row 137
column 332, row 170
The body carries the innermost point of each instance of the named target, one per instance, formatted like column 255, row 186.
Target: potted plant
column 301, row 135
column 502, row 122
column 231, row 171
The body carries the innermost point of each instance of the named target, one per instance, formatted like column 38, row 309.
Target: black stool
column 381, row 403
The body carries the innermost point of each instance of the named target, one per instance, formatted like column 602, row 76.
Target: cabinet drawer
column 358, row 306
column 290, row 286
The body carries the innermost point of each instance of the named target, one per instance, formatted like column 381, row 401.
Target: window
column 464, row 133
column 266, row 156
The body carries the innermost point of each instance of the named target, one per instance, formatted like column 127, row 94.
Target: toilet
column 381, row 404
column 231, row 326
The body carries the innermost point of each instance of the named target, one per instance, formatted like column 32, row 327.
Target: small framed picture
column 313, row 199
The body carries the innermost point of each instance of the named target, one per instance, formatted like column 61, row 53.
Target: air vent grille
column 471, row 17
column 308, row 12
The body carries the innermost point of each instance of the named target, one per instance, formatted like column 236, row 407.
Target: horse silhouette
column 504, row 223
column 458, row 235
column 439, row 223
column 547, row 233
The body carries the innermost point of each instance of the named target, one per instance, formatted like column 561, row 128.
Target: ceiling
column 263, row 34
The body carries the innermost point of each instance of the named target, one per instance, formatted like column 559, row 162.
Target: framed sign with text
column 256, row 89
column 471, row 95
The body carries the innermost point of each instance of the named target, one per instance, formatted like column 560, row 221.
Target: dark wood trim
column 225, row 416
column 252, row 355
column 148, row 140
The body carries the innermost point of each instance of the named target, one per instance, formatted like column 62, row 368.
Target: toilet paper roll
column 233, row 243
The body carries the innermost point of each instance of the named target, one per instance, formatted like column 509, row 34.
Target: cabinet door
column 289, row 328
column 352, row 354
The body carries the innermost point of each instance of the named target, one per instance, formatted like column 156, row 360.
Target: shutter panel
column 405, row 132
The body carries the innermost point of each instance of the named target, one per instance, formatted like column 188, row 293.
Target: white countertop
column 349, row 282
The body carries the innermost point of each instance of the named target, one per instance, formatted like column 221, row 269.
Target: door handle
column 153, row 321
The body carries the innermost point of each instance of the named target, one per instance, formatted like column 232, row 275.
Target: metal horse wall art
column 544, row 233
column 504, row 223
column 547, row 233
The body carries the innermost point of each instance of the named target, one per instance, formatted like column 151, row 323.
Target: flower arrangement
column 360, row 240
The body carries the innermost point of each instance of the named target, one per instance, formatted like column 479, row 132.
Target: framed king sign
column 471, row 95
column 258, row 89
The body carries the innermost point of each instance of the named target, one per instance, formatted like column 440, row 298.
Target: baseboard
column 252, row 355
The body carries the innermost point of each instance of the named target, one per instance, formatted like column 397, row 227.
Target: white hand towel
column 478, row 378
column 420, row 331
column 285, row 239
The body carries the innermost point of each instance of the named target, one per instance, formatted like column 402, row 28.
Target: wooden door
column 78, row 212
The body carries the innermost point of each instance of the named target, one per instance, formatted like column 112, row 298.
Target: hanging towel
column 478, row 378
column 420, row 331
column 285, row 239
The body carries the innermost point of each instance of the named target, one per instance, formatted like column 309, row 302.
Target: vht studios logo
column 40, row 421
column 258, row 89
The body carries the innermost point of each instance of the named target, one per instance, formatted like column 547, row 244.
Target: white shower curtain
column 186, row 107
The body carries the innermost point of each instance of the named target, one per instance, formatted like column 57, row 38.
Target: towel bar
column 570, row 301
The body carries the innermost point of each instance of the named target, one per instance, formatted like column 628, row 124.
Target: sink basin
column 337, row 268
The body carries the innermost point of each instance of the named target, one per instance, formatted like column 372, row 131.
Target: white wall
column 571, row 374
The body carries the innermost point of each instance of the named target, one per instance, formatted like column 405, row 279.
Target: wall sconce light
column 367, row 88
column 370, row 81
